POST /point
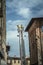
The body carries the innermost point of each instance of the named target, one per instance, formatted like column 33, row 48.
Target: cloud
column 12, row 34
column 24, row 12
column 24, row 8
column 12, row 24
column 14, row 43
column 40, row 13
column 23, row 3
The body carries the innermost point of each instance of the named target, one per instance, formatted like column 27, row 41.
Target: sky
column 20, row 12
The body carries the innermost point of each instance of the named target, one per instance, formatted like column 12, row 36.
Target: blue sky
column 20, row 12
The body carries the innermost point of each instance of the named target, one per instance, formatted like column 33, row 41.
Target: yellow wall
column 16, row 63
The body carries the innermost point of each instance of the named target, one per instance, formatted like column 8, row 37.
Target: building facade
column 17, row 61
column 35, row 33
column 3, row 54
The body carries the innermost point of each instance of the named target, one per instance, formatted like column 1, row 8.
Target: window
column 14, row 61
column 8, row 61
column 42, row 28
column 18, row 61
column 1, row 24
column 0, row 4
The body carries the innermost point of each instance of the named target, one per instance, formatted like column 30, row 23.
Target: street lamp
column 21, row 43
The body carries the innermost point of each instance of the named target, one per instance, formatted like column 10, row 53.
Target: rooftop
column 17, row 58
column 32, row 21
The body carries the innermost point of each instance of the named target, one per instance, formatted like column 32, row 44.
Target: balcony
column 7, row 48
